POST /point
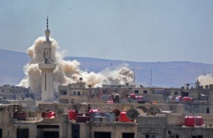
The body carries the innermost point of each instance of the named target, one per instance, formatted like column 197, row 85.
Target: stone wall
column 116, row 129
column 5, row 122
column 175, row 119
column 188, row 132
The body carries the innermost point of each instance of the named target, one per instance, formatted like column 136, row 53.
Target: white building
column 47, row 66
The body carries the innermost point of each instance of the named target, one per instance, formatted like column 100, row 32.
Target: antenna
column 151, row 77
column 134, row 76
column 47, row 22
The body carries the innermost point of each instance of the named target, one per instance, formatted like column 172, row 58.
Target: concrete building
column 8, row 92
column 17, row 122
column 73, row 93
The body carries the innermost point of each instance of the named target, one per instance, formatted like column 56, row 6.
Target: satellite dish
column 132, row 114
column 140, row 111
column 142, row 108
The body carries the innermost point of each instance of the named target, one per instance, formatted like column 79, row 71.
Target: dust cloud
column 67, row 72
column 205, row 79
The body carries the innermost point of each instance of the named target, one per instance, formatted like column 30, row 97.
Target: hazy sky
column 129, row 30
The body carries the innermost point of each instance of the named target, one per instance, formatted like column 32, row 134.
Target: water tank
column 51, row 114
column 72, row 114
column 139, row 98
column 110, row 117
column 123, row 117
column 96, row 118
column 110, row 102
column 94, row 110
column 198, row 120
column 19, row 115
column 99, row 119
column 93, row 115
column 132, row 95
column 178, row 98
column 82, row 119
column 189, row 120
column 187, row 99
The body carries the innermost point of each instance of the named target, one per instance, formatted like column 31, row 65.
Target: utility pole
column 151, row 77
column 134, row 76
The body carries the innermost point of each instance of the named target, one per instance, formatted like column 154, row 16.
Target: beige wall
column 116, row 129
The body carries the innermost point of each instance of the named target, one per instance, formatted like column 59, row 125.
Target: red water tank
column 19, row 115
column 139, row 98
column 198, row 120
column 94, row 110
column 132, row 95
column 110, row 102
column 190, row 99
column 189, row 120
column 51, row 114
column 72, row 114
column 123, row 117
column 187, row 99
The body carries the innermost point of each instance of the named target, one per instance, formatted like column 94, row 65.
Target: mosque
column 87, row 112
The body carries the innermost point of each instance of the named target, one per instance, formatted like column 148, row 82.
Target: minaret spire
column 47, row 22
column 47, row 32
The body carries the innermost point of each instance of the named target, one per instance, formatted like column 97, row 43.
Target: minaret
column 47, row 66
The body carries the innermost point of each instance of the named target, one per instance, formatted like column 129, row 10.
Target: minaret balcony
column 47, row 66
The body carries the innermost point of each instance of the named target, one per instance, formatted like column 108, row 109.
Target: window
column 198, row 136
column 127, row 135
column 51, row 134
column 176, row 93
column 22, row 133
column 144, row 91
column 168, row 93
column 136, row 91
column 102, row 135
column 73, row 93
column 185, row 94
column 174, row 136
column 151, row 136
column 75, row 129
column 0, row 133
column 158, row 92
column 63, row 92
column 79, row 93
column 207, row 110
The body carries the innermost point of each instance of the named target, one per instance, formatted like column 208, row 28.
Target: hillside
column 164, row 74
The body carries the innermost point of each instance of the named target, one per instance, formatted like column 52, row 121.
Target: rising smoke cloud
column 205, row 79
column 67, row 72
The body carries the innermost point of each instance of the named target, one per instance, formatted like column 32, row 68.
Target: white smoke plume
column 67, row 72
column 205, row 79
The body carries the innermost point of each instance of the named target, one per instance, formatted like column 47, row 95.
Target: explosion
column 67, row 72
column 205, row 79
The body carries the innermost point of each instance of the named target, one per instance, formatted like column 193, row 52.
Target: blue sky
column 129, row 30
